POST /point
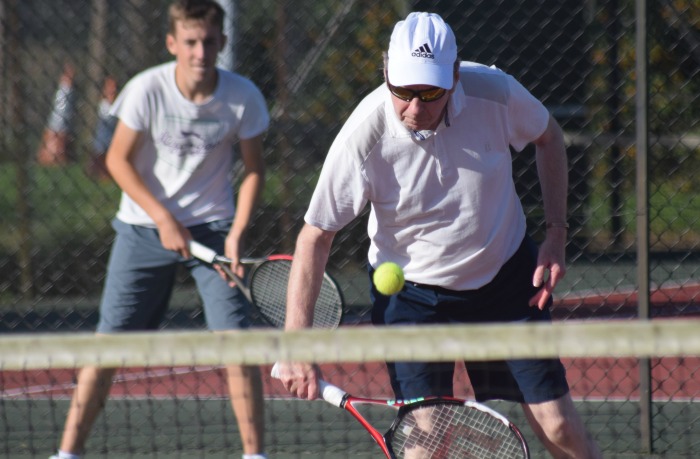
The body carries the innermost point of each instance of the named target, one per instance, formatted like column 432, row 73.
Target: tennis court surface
column 181, row 410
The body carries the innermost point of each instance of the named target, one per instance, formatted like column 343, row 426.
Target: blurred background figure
column 58, row 135
column 104, row 129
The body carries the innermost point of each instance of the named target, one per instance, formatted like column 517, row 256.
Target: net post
column 642, row 187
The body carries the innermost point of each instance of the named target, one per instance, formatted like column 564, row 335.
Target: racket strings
column 268, row 287
column 448, row 431
column 329, row 306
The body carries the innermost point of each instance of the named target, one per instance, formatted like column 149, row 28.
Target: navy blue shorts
column 141, row 277
column 504, row 299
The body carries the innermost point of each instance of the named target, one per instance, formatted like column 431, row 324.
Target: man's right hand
column 300, row 379
column 174, row 236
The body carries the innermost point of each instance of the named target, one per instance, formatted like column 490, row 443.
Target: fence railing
column 621, row 76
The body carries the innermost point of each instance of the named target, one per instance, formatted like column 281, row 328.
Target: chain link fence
column 314, row 60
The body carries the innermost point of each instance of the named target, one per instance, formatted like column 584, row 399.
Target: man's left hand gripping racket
column 265, row 286
column 435, row 427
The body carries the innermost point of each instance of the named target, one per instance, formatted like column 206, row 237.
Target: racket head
column 329, row 309
column 446, row 428
column 268, row 290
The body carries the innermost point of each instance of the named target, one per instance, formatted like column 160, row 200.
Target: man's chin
column 202, row 72
column 415, row 126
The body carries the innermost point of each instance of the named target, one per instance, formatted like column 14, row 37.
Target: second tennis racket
column 265, row 286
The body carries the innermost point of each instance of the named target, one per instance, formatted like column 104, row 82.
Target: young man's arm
column 249, row 193
column 552, row 169
column 173, row 235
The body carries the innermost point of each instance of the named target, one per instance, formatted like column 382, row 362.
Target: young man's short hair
column 208, row 11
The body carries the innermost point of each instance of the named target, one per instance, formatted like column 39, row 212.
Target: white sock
column 251, row 456
column 65, row 455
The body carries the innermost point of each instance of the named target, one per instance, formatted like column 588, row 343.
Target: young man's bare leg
column 245, row 389
column 559, row 427
column 88, row 400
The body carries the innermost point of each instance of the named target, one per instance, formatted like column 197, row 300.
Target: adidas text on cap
column 422, row 51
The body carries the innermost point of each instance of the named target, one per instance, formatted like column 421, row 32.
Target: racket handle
column 275, row 372
column 330, row 393
column 202, row 252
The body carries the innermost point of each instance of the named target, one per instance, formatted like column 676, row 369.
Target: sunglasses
column 425, row 95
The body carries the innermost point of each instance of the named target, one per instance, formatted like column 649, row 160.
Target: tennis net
column 169, row 398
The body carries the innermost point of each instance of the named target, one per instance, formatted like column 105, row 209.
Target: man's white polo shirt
column 445, row 208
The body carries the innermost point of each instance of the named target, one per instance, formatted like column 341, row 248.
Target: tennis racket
column 265, row 286
column 435, row 427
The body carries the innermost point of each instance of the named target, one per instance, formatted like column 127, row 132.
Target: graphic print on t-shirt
column 184, row 143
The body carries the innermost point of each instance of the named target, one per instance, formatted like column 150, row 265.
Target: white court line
column 125, row 377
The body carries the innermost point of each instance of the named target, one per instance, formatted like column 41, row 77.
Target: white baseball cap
column 422, row 50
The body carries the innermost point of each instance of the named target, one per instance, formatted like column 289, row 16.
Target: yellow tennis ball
column 388, row 278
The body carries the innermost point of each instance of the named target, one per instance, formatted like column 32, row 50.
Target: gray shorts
column 141, row 276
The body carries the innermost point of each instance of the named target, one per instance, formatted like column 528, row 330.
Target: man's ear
column 456, row 74
column 170, row 44
column 455, row 81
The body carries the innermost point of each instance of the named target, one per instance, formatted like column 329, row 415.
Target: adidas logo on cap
column 423, row 51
